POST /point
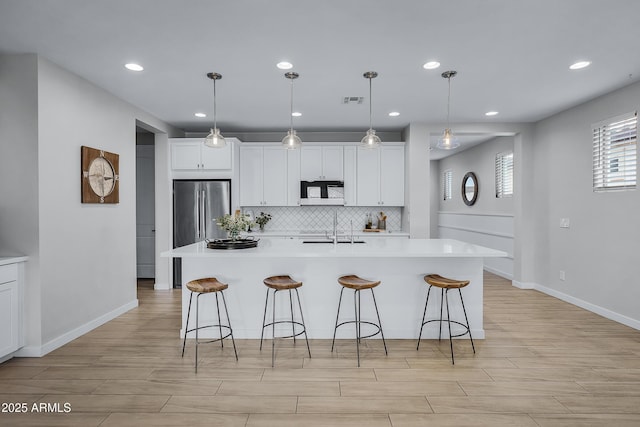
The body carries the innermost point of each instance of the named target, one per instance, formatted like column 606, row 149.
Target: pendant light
column 215, row 138
column 448, row 142
column 370, row 140
column 291, row 140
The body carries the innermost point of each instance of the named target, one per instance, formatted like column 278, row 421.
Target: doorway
column 145, row 204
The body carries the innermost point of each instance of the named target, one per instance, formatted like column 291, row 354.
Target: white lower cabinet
column 10, row 309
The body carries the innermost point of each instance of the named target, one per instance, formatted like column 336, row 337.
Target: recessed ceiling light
column 431, row 65
column 491, row 113
column 284, row 65
column 394, row 114
column 580, row 64
column 296, row 114
column 134, row 67
column 200, row 115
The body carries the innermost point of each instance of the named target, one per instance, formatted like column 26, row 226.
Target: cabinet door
column 293, row 177
column 311, row 163
column 217, row 158
column 185, row 155
column 368, row 174
column 332, row 163
column 392, row 176
column 350, row 178
column 275, row 185
column 9, row 312
column 251, row 171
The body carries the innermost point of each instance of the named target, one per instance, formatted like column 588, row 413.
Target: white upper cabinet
column 189, row 154
column 321, row 163
column 263, row 176
column 380, row 176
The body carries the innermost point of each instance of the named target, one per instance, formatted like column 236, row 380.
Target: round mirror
column 469, row 188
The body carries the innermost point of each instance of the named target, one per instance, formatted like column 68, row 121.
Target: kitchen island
column 399, row 264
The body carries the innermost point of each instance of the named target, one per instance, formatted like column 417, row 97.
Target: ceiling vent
column 352, row 99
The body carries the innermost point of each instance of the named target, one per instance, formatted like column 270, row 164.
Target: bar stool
column 357, row 284
column 206, row 286
column 445, row 286
column 282, row 283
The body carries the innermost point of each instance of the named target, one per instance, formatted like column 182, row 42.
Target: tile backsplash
column 320, row 218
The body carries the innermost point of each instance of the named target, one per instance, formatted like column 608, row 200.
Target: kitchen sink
column 331, row 241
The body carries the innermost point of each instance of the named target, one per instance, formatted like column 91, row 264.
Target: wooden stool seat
column 281, row 283
column 354, row 282
column 206, row 285
column 444, row 283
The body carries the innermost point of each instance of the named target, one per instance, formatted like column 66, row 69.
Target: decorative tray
column 232, row 244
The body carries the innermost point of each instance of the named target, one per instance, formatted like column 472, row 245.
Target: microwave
column 322, row 193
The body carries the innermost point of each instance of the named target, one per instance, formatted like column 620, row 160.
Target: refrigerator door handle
column 198, row 233
column 203, row 216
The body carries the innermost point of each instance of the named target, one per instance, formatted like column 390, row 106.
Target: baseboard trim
column 39, row 351
column 523, row 285
column 604, row 312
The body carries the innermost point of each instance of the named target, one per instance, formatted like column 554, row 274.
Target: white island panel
column 399, row 264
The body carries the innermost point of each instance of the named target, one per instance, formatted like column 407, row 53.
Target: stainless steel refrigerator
column 196, row 205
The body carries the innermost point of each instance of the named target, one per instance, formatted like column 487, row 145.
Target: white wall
column 599, row 251
column 82, row 264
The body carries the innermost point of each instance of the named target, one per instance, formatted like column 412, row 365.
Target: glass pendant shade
column 291, row 140
column 371, row 140
column 448, row 142
column 215, row 139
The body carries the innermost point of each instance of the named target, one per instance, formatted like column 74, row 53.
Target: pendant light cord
column 370, row 102
column 291, row 115
column 214, row 105
column 449, row 104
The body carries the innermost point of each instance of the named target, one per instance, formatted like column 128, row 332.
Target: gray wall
column 480, row 160
column 81, row 270
column 599, row 251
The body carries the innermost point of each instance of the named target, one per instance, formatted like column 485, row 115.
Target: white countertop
column 4, row 260
column 376, row 247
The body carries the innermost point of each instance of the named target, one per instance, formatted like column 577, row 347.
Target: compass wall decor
column 100, row 176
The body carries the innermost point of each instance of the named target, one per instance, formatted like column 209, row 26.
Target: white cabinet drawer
column 8, row 273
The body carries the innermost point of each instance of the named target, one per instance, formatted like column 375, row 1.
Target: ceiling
column 511, row 56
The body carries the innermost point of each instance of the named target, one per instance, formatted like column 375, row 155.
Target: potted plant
column 234, row 224
column 263, row 219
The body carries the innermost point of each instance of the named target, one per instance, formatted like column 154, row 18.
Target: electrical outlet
column 562, row 276
column 564, row 222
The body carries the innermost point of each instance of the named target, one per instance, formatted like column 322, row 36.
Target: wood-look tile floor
column 543, row 363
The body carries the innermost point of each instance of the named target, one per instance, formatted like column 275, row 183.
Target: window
column 446, row 179
column 504, row 175
column 615, row 153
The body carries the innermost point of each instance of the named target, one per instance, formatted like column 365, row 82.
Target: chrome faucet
column 335, row 227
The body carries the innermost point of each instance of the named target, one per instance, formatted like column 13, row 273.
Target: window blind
column 446, row 179
column 615, row 153
column 504, row 175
